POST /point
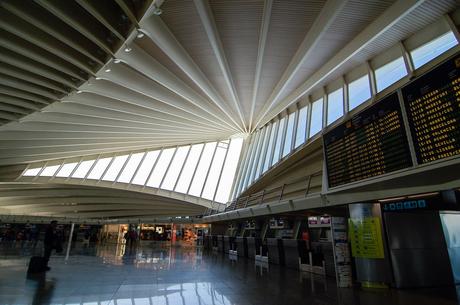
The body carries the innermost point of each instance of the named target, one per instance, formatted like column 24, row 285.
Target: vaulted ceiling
column 84, row 77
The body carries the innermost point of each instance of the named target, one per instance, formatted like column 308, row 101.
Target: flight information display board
column 372, row 143
column 432, row 104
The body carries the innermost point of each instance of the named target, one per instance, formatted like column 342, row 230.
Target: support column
column 69, row 243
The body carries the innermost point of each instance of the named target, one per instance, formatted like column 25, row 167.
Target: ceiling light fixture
column 127, row 49
column 140, row 34
column 98, row 78
column 156, row 10
column 117, row 61
column 79, row 91
column 107, row 70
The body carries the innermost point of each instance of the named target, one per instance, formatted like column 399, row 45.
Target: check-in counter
column 207, row 242
column 241, row 246
column 293, row 250
column 275, row 251
column 323, row 251
column 220, row 243
column 228, row 243
column 253, row 244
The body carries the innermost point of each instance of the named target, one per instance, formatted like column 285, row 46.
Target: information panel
column 372, row 143
column 433, row 108
column 366, row 237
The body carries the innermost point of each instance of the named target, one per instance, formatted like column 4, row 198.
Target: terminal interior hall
column 229, row 152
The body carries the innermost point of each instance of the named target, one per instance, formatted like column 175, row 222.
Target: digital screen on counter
column 372, row 143
column 432, row 104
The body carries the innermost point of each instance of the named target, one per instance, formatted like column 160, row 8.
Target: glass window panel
column 145, row 168
column 289, row 134
column 175, row 167
column 83, row 169
column 49, row 170
column 130, row 167
column 256, row 156
column 270, row 147
column 334, row 106
column 99, row 168
column 214, row 171
column 276, row 155
column 390, row 73
column 252, row 149
column 316, row 122
column 433, row 49
column 66, row 169
column 32, row 171
column 301, row 132
column 229, row 170
column 202, row 169
column 115, row 168
column 161, row 167
column 141, row 301
column 189, row 168
column 245, row 164
column 359, row 91
column 263, row 151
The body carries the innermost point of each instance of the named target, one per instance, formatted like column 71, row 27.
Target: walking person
column 51, row 242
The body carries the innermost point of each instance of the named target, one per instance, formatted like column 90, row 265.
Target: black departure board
column 432, row 104
column 372, row 143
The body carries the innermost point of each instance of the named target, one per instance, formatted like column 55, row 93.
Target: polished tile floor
column 160, row 274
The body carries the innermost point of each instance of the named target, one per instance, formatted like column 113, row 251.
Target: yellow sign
column 366, row 237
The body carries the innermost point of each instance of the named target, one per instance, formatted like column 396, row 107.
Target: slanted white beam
column 260, row 57
column 326, row 17
column 29, row 14
column 374, row 31
column 35, row 66
column 159, row 33
column 31, row 77
column 207, row 19
column 56, row 8
column 87, row 110
column 131, row 107
column 144, row 63
column 128, row 78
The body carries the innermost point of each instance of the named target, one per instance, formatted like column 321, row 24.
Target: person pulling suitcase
column 51, row 242
column 39, row 264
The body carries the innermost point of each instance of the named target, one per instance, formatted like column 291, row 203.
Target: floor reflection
column 160, row 273
column 44, row 288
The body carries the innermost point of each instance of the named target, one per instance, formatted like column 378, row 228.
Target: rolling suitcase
column 37, row 264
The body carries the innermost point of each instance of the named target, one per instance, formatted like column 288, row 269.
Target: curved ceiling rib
column 322, row 22
column 207, row 19
column 138, row 59
column 80, row 78
column 116, row 71
column 57, row 200
column 386, row 27
column 49, row 48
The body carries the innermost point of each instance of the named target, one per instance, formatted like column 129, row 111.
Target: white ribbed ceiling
column 202, row 70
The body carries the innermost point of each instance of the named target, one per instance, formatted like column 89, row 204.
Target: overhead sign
column 433, row 109
column 372, row 143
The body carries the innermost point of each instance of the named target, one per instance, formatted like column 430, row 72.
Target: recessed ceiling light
column 140, row 34
column 117, row 61
column 127, row 49
column 107, row 70
column 79, row 91
column 156, row 10
column 98, row 78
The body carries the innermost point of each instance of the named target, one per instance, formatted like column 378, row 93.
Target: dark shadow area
column 44, row 289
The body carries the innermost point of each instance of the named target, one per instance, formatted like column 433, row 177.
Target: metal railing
column 294, row 189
